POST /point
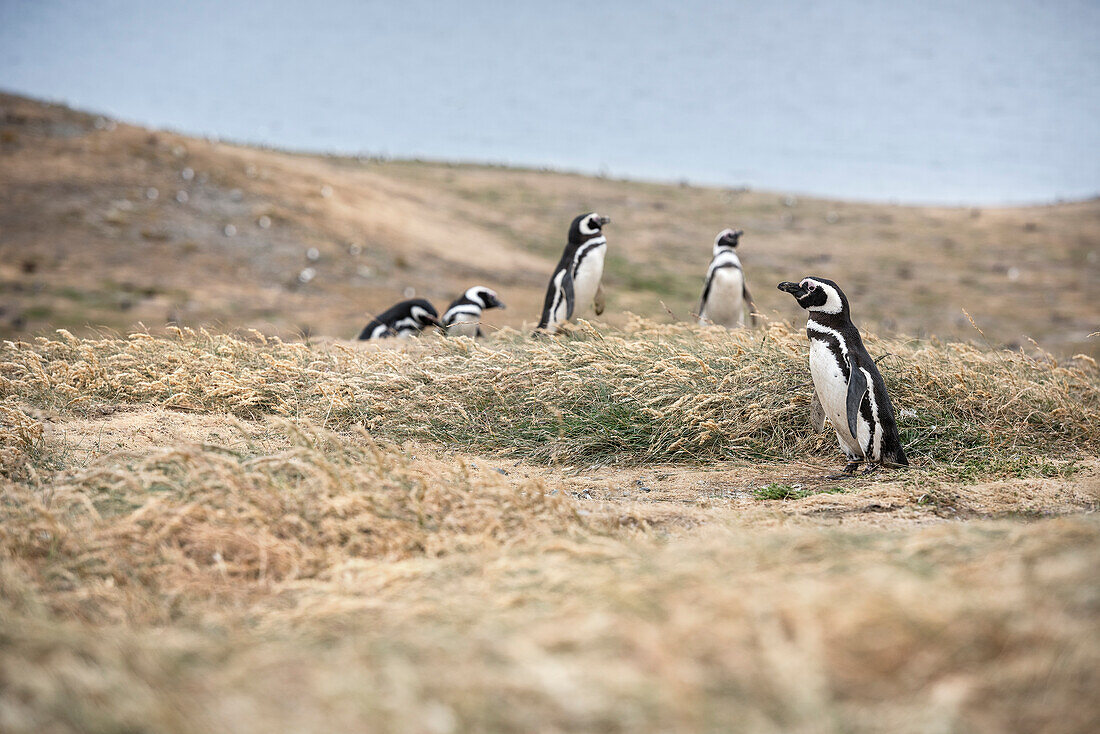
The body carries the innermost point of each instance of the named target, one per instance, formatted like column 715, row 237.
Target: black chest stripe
column 583, row 253
column 833, row 344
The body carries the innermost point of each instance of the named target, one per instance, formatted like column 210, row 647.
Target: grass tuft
column 649, row 393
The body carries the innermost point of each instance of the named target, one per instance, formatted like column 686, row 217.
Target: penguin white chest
column 464, row 324
column 832, row 391
column 724, row 305
column 586, row 279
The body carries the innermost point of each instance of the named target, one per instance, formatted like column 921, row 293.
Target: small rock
column 307, row 275
column 264, row 221
column 151, row 193
column 313, row 254
column 364, row 271
column 410, row 292
column 182, row 197
column 1013, row 274
column 354, row 249
column 230, row 230
column 187, row 174
column 326, row 191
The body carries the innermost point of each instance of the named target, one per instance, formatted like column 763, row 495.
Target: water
column 934, row 101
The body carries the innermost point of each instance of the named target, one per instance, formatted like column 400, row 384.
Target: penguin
column 846, row 379
column 725, row 293
column 402, row 320
column 463, row 316
column 576, row 282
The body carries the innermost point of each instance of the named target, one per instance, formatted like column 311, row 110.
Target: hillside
column 93, row 233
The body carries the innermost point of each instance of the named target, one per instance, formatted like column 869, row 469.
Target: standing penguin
column 463, row 316
column 726, row 294
column 576, row 281
column 846, row 379
column 402, row 320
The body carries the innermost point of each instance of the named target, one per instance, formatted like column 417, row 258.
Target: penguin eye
column 811, row 287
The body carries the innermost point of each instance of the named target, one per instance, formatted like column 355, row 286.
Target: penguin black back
column 401, row 319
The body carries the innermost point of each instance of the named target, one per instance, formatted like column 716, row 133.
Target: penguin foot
column 848, row 472
column 871, row 469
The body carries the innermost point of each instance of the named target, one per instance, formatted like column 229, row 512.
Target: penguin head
column 586, row 226
column 727, row 239
column 423, row 313
column 486, row 297
column 817, row 294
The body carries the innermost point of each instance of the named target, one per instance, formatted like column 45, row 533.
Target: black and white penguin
column 576, row 282
column 463, row 316
column 846, row 379
column 402, row 320
column 726, row 294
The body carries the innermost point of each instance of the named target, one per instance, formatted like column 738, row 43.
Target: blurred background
column 971, row 103
column 940, row 104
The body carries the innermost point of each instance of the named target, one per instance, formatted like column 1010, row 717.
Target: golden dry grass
column 653, row 392
column 288, row 565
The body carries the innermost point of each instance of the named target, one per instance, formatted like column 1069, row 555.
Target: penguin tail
column 896, row 457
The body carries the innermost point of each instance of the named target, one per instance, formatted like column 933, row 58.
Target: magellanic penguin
column 402, row 320
column 576, row 282
column 726, row 293
column 463, row 316
column 846, row 379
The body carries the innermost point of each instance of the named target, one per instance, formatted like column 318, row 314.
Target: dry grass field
column 211, row 524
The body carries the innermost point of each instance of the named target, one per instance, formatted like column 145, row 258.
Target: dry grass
column 208, row 522
column 983, row 627
column 304, row 572
column 654, row 392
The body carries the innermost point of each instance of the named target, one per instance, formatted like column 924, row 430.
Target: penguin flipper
column 857, row 390
column 570, row 297
column 703, row 298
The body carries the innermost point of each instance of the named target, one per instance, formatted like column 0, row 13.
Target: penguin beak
column 604, row 220
column 793, row 288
